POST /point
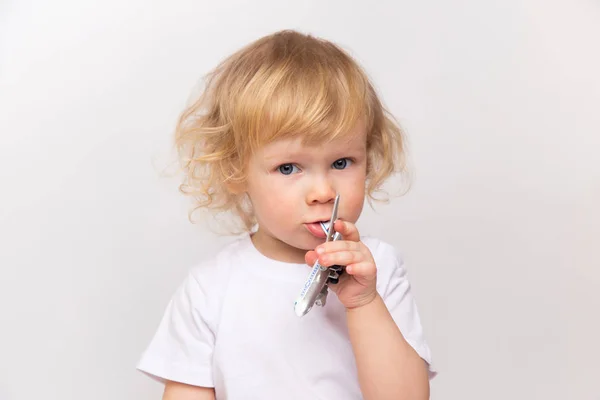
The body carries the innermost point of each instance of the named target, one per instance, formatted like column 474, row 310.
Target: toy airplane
column 315, row 289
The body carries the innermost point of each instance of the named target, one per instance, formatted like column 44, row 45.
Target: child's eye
column 341, row 163
column 287, row 169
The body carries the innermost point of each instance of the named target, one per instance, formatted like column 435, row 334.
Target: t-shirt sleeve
column 182, row 347
column 399, row 299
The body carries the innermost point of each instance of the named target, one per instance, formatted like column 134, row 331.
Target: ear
column 236, row 188
column 237, row 182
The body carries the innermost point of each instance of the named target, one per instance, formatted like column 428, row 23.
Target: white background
column 501, row 230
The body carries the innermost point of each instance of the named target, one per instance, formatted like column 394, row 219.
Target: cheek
column 270, row 202
column 355, row 197
column 358, row 179
column 355, row 206
column 275, row 207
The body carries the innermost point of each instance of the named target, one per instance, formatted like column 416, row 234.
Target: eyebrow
column 303, row 156
column 344, row 150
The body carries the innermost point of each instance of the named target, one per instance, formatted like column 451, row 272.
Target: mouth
column 325, row 225
column 316, row 228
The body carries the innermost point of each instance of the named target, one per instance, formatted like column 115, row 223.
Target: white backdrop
column 501, row 103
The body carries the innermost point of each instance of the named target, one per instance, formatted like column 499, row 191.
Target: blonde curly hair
column 285, row 84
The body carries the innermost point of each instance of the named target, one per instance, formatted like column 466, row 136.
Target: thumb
column 347, row 230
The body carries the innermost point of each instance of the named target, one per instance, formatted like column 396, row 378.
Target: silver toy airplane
column 315, row 288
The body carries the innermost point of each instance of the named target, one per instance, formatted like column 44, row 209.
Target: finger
column 311, row 257
column 347, row 229
column 338, row 245
column 341, row 258
column 364, row 269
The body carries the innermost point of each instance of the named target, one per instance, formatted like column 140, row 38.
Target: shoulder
column 218, row 265
column 207, row 281
column 384, row 253
column 388, row 259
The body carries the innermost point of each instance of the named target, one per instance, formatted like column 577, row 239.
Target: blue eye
column 287, row 169
column 342, row 163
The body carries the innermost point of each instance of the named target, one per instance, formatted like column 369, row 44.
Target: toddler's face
column 292, row 188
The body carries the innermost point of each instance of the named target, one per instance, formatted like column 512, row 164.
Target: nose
column 320, row 191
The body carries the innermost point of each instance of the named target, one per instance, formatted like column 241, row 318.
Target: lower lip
column 315, row 229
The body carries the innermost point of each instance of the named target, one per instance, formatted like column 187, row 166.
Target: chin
column 304, row 243
column 311, row 243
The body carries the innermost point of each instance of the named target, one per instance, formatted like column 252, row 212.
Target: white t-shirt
column 231, row 325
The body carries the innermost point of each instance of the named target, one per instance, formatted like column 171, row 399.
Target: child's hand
column 356, row 287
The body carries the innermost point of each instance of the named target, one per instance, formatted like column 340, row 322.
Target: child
column 283, row 126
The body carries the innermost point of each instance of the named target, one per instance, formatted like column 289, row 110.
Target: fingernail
column 320, row 250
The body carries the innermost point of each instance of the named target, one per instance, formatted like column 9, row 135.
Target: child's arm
column 181, row 391
column 388, row 367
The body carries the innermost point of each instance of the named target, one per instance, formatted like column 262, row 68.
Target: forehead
column 354, row 140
